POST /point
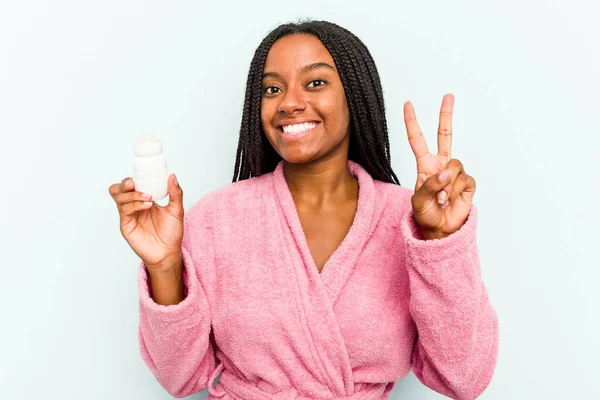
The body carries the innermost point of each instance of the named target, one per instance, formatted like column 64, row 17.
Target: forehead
column 295, row 51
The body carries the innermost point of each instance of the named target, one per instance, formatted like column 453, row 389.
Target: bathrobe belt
column 238, row 388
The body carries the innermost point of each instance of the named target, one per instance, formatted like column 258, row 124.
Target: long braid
column 369, row 141
column 368, row 114
column 375, row 117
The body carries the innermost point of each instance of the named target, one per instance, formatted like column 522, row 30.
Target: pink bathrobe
column 258, row 311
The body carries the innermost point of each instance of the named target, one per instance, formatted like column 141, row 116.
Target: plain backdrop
column 79, row 81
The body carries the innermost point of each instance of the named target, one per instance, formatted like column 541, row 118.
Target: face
column 304, row 111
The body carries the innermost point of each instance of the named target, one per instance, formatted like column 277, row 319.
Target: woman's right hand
column 154, row 232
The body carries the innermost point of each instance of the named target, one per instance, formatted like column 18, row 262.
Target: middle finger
column 445, row 126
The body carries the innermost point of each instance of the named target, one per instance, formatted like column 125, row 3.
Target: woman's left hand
column 440, row 206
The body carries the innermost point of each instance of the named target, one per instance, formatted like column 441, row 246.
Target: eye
column 316, row 82
column 271, row 90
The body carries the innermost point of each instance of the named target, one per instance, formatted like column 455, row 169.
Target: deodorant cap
column 147, row 145
column 149, row 162
column 150, row 173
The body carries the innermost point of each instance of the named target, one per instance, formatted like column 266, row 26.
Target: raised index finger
column 415, row 136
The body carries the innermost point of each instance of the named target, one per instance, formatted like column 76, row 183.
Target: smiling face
column 304, row 111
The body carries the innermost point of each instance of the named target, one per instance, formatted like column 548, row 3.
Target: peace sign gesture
column 443, row 192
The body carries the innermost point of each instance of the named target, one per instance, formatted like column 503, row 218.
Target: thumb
column 435, row 183
column 175, row 206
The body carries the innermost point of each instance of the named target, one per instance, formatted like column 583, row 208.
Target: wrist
column 168, row 265
column 431, row 235
column 167, row 286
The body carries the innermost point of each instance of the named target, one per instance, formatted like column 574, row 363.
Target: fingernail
column 146, row 195
column 175, row 180
column 126, row 183
column 442, row 197
column 444, row 175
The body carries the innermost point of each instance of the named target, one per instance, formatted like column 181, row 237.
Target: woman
column 315, row 275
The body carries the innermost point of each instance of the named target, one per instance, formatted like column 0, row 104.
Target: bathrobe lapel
column 316, row 293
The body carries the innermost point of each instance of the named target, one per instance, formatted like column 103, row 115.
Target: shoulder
column 234, row 198
column 392, row 192
column 397, row 200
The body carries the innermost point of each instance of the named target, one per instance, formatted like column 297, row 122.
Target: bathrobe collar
column 314, row 293
column 340, row 264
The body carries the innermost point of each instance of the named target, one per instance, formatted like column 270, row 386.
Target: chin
column 296, row 154
column 297, row 160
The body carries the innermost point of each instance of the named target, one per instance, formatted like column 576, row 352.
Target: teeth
column 298, row 128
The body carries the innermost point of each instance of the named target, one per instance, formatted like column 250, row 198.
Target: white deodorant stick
column 150, row 173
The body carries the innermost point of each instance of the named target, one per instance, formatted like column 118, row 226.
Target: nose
column 292, row 102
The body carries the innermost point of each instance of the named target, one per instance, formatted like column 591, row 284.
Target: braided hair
column 369, row 143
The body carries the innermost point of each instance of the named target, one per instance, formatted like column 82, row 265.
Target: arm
column 174, row 339
column 456, row 347
column 166, row 284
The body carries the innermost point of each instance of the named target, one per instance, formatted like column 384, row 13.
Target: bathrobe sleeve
column 174, row 340
column 456, row 347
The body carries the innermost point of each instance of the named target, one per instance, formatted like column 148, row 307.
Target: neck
column 321, row 185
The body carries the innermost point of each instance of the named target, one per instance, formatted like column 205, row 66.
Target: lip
column 288, row 137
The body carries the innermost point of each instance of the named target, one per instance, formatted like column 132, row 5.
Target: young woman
column 314, row 274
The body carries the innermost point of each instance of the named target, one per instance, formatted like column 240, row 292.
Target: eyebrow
column 306, row 68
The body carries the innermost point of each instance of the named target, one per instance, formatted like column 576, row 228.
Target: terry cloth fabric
column 258, row 311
